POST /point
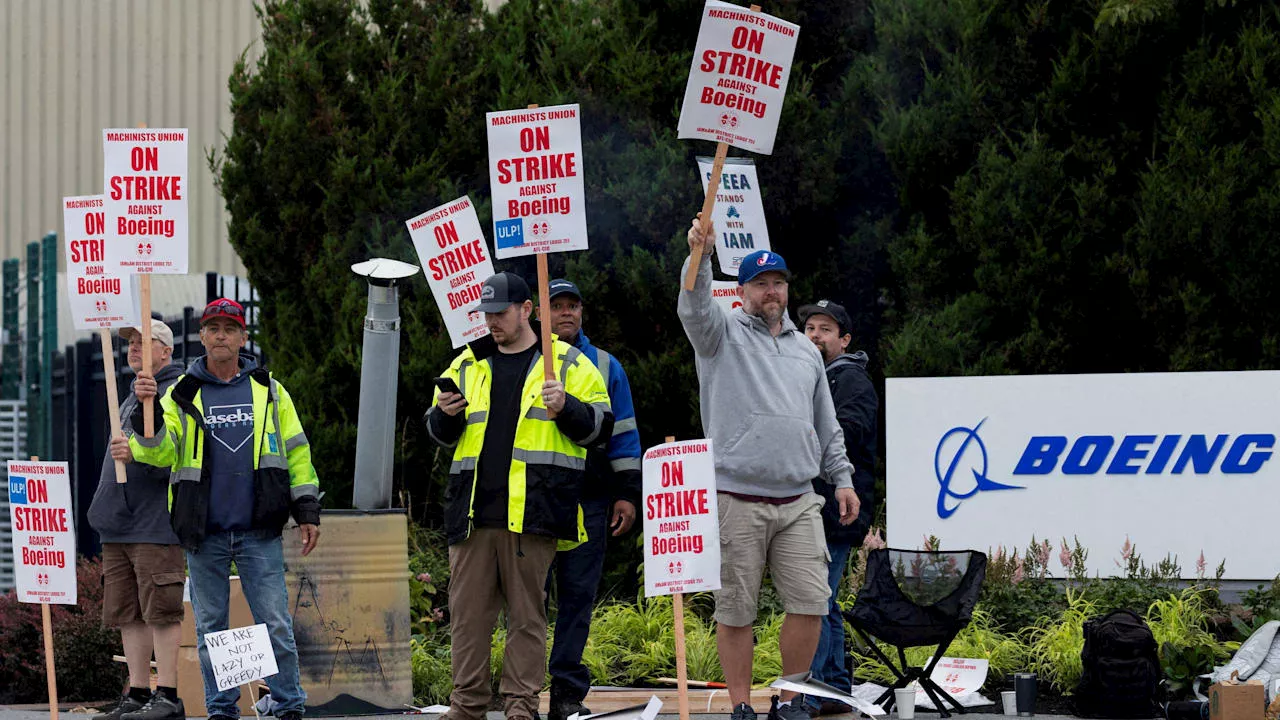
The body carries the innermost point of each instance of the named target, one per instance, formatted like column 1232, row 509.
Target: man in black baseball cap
column 519, row 444
column 827, row 326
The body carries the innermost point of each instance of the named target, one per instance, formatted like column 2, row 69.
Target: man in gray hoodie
column 143, row 566
column 767, row 408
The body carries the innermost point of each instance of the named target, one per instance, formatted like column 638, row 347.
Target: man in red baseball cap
column 241, row 465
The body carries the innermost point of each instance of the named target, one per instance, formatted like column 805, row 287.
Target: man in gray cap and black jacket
column 827, row 326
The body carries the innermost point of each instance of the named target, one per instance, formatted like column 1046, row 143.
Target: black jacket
column 857, row 406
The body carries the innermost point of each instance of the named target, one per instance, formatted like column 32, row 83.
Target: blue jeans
column 259, row 557
column 829, row 661
column 576, row 574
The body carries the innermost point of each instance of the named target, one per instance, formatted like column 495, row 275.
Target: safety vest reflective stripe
column 304, row 489
column 466, row 464
column 436, row 409
column 273, row 461
column 621, row 464
column 602, row 364
column 185, row 473
column 296, row 441
column 477, row 417
column 537, row 413
column 462, row 377
column 548, row 457
column 621, row 426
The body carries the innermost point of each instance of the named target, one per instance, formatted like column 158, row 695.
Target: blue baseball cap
column 560, row 286
column 761, row 261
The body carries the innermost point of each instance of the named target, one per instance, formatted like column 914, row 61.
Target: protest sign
column 738, row 214
column 456, row 261
column 535, row 176
column 240, row 655
column 98, row 298
column 44, row 541
column 725, row 293
column 145, row 187
column 681, row 528
column 738, row 77
column 958, row 676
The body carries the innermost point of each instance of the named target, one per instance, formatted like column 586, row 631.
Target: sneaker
column 564, row 709
column 158, row 707
column 793, row 710
column 831, row 707
column 743, row 711
column 126, row 705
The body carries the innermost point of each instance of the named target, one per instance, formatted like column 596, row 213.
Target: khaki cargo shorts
column 789, row 539
column 142, row 583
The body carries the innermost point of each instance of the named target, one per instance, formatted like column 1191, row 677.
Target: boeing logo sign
column 961, row 464
column 960, row 444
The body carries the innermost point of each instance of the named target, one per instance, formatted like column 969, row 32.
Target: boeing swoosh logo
column 969, row 443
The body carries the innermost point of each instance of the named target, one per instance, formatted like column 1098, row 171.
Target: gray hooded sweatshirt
column 138, row 510
column 765, row 401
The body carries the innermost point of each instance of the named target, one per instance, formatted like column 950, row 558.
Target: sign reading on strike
column 738, row 77
column 535, row 175
column 44, row 541
column 145, row 184
column 681, row 527
column 738, row 214
column 725, row 293
column 98, row 299
column 240, row 655
column 456, row 261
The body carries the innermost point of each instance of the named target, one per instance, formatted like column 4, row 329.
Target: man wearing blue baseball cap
column 767, row 408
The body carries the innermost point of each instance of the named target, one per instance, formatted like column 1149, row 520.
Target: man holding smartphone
column 520, row 446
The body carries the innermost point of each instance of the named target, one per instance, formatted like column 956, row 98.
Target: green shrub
column 1054, row 644
column 82, row 647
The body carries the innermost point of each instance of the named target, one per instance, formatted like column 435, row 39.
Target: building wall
column 69, row 68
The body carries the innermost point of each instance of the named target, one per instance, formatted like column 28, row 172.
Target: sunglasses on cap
column 222, row 309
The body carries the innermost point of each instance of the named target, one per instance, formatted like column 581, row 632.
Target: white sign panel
column 98, row 299
column 535, row 175
column 958, row 676
column 738, row 214
column 240, row 655
column 738, row 77
column 1178, row 463
column 681, row 527
column 725, row 293
column 44, row 539
column 456, row 262
column 145, row 183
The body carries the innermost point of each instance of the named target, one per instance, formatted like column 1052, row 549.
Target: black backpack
column 1121, row 677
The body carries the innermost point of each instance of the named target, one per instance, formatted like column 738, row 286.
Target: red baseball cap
column 223, row 307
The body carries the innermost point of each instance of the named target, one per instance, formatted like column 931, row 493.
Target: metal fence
column 13, row 440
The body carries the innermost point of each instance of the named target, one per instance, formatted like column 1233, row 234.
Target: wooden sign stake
column 544, row 316
column 113, row 394
column 682, row 673
column 47, row 621
column 708, row 203
column 144, row 292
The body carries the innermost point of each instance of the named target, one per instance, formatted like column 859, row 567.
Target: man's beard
column 771, row 313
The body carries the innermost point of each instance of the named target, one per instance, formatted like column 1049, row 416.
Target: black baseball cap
column 832, row 310
column 560, row 286
column 500, row 291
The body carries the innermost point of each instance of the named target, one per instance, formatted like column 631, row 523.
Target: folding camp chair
column 914, row 598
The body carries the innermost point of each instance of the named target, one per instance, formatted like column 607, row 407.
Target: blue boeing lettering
column 1200, row 454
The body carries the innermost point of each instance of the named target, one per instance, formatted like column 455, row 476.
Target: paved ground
column 26, row 714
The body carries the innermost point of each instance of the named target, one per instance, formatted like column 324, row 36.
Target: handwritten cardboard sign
column 240, row 655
